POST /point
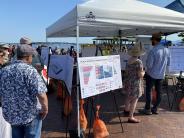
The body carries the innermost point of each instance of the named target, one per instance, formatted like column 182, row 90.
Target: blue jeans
column 30, row 130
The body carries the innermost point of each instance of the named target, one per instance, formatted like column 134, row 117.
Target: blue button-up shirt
column 19, row 85
column 157, row 61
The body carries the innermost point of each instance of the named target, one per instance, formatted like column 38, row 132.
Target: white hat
column 137, row 50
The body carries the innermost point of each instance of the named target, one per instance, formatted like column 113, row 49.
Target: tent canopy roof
column 106, row 18
column 177, row 5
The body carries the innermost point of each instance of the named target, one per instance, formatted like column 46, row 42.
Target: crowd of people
column 23, row 93
column 23, row 98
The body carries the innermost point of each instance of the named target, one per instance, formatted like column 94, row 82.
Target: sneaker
column 145, row 111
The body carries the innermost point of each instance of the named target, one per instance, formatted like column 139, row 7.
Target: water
column 53, row 45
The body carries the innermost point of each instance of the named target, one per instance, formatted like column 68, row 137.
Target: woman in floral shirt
column 133, row 82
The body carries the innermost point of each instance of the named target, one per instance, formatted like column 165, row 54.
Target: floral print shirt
column 20, row 84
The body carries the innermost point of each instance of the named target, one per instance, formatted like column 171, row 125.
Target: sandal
column 133, row 121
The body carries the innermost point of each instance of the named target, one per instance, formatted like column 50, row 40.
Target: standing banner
column 177, row 59
column 61, row 68
column 99, row 74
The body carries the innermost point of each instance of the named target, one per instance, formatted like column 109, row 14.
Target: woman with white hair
column 133, row 82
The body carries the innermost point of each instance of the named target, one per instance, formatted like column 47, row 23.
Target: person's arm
column 44, row 104
column 150, row 60
column 141, row 71
column 38, row 88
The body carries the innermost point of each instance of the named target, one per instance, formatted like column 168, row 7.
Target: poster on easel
column 99, row 74
column 177, row 59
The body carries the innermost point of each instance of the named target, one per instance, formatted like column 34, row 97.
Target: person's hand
column 141, row 73
column 43, row 113
column 44, row 104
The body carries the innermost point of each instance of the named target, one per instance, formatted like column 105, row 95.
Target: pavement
column 168, row 124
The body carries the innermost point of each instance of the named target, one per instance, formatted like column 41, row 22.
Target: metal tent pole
column 77, row 42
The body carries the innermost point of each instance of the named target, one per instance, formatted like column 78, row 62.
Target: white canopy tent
column 107, row 18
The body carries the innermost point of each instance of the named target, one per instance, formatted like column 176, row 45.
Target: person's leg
column 33, row 129
column 158, row 88
column 127, row 104
column 149, row 85
column 133, row 104
column 17, row 131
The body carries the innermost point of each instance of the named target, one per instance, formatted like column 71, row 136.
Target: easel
column 63, row 87
column 92, row 111
column 78, row 91
column 91, row 101
column 117, row 110
column 48, row 63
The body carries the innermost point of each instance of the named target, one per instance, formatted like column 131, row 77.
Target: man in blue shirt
column 157, row 61
column 23, row 92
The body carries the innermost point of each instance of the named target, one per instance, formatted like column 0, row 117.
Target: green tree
column 181, row 35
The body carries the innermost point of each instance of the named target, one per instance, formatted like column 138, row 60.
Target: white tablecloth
column 5, row 128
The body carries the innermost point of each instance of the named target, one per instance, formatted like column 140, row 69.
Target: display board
column 61, row 68
column 99, row 74
column 45, row 55
column 177, row 59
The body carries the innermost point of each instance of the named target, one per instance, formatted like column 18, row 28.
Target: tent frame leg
column 78, row 114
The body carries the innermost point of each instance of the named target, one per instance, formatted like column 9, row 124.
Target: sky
column 30, row 17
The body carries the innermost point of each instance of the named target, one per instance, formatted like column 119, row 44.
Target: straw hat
column 25, row 40
column 137, row 50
